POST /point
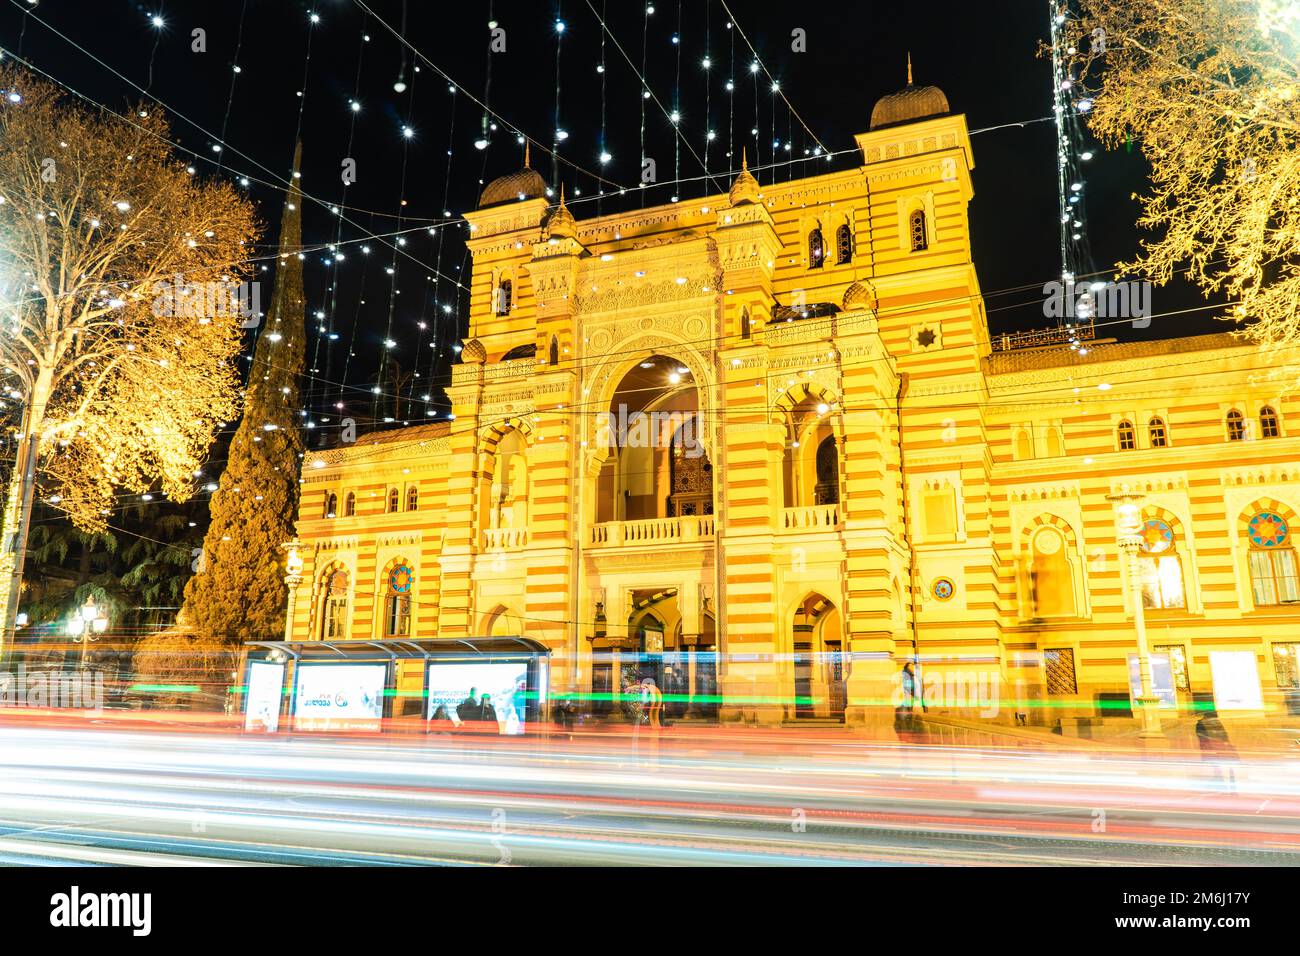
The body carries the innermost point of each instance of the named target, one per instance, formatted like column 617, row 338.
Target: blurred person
column 1212, row 737
column 487, row 713
column 652, row 702
column 906, row 725
column 441, row 722
column 470, row 709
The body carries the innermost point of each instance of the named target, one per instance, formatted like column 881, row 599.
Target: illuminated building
column 836, row 468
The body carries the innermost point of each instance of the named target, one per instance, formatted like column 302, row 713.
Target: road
column 195, row 796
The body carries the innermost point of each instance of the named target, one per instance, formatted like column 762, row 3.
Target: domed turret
column 561, row 225
column 909, row 104
column 473, row 352
column 745, row 189
column 525, row 184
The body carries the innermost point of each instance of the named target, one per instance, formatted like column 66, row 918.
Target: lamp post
column 89, row 621
column 1128, row 532
column 292, row 578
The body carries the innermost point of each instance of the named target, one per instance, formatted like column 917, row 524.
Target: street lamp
column 1128, row 532
column 293, row 577
column 89, row 621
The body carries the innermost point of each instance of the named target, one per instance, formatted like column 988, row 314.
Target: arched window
column 916, row 228
column 412, row 498
column 690, row 475
column 1159, row 567
column 393, row 499
column 1126, row 435
column 1156, row 433
column 331, row 505
column 745, row 329
column 1024, row 448
column 1236, row 426
column 1272, row 559
column 1268, row 423
column 350, row 505
column 504, row 295
column 827, row 489
column 1051, row 579
column 397, row 601
column 1054, row 447
column 555, row 350
column 843, row 245
column 816, row 249
column 334, row 607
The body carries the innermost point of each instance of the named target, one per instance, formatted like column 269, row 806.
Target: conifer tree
column 238, row 593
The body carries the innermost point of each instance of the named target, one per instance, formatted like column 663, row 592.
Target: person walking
column 1216, row 749
column 906, row 726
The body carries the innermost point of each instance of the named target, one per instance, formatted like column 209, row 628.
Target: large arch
column 627, row 354
column 650, row 447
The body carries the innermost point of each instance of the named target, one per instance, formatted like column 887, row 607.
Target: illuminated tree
column 1211, row 93
column 117, row 357
column 239, row 592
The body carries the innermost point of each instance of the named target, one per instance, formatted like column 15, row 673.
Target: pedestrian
column 1212, row 737
column 906, row 725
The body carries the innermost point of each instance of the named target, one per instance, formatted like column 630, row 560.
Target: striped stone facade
column 796, row 587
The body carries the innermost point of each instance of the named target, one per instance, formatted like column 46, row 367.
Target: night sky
column 983, row 55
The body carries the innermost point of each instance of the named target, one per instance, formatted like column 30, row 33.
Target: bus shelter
column 351, row 686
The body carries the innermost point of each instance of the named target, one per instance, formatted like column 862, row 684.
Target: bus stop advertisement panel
column 464, row 690
column 350, row 686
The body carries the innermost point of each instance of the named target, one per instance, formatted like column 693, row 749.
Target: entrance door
column 837, row 692
column 803, row 680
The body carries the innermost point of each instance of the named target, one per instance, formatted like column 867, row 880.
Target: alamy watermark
column 77, row 689
column 955, row 690
column 1098, row 300
column 206, row 301
column 624, row 429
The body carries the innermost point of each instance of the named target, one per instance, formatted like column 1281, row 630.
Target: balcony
column 810, row 518
column 652, row 531
column 504, row 539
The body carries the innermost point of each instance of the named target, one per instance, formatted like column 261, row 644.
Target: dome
column 745, row 188
column 474, row 352
column 909, row 104
column 525, row 184
column 859, row 296
column 561, row 225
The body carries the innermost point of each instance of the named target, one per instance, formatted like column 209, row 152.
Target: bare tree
column 120, row 330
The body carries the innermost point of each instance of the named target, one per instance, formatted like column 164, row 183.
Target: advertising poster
column 262, row 697
column 1236, row 681
column 456, row 693
column 340, row 696
column 1162, row 679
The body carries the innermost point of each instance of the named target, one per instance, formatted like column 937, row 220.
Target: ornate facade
column 761, row 443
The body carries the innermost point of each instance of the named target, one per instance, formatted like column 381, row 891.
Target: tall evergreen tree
column 239, row 593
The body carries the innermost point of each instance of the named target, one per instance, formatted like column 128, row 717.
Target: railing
column 1039, row 338
column 811, row 518
column 652, row 531
column 504, row 539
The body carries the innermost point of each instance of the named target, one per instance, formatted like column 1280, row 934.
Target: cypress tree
column 238, row 593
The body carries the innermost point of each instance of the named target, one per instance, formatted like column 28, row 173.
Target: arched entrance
column 679, row 654
column 656, row 465
column 820, row 674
